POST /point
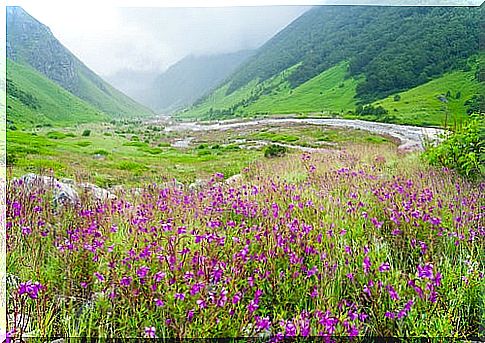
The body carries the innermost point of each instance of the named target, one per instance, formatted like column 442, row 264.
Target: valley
column 328, row 183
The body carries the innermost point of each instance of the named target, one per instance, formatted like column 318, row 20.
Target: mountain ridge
column 32, row 43
column 388, row 50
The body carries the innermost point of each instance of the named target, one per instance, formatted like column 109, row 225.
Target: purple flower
column 99, row 276
column 236, row 298
column 125, row 281
column 390, row 315
column 376, row 223
column 367, row 264
column 30, row 288
column 435, row 221
column 253, row 306
column 142, row 272
column 158, row 276
column 392, row 293
column 150, row 332
column 353, row 331
column 263, row 323
column 190, row 315
column 159, row 302
column 424, row 247
column 384, row 267
column 425, row 271
column 437, row 279
column 180, row 296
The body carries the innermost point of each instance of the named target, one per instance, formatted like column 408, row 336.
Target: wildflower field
column 356, row 242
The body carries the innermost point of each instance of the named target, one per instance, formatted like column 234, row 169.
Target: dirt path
column 410, row 137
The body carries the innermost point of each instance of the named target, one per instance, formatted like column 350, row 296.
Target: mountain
column 30, row 43
column 33, row 99
column 333, row 58
column 192, row 77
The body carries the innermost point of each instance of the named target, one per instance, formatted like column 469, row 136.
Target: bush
column 56, row 135
column 83, row 143
column 101, row 152
column 462, row 150
column 274, row 150
column 86, row 133
column 397, row 97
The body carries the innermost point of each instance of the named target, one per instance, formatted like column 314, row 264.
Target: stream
column 410, row 137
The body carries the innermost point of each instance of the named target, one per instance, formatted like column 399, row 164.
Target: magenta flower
column 150, row 332
column 263, row 323
column 179, row 296
column 30, row 288
column 376, row 223
column 236, row 298
column 125, row 281
column 190, row 315
column 201, row 303
column 99, row 276
column 253, row 306
column 392, row 293
column 390, row 315
column 142, row 272
column 159, row 302
column 425, row 271
column 384, row 267
column 367, row 264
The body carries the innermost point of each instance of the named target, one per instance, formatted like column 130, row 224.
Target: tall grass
column 360, row 243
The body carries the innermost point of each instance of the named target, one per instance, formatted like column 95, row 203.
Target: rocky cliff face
column 31, row 42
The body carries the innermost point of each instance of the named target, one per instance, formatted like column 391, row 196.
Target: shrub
column 274, row 150
column 86, row 133
column 397, row 97
column 101, row 152
column 56, row 135
column 83, row 143
column 462, row 150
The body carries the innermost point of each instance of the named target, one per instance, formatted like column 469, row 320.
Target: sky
column 109, row 39
column 139, row 35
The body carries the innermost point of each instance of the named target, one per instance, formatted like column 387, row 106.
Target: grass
column 332, row 93
column 129, row 162
column 362, row 241
column 421, row 105
column 55, row 105
column 134, row 154
column 328, row 92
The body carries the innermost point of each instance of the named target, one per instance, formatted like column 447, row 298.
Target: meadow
column 131, row 153
column 356, row 241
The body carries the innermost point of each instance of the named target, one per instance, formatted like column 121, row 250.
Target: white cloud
column 109, row 39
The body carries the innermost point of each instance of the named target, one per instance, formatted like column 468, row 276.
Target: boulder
column 198, row 184
column 96, row 192
column 173, row 184
column 234, row 179
column 63, row 192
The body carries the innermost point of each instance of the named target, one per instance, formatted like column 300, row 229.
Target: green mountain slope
column 33, row 99
column 31, row 43
column 192, row 77
column 333, row 58
column 436, row 102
